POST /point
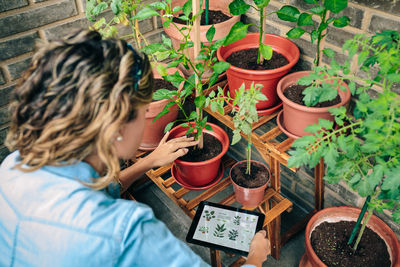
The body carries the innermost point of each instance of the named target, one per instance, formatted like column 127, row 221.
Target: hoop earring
column 119, row 138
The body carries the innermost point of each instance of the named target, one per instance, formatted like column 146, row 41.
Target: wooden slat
column 228, row 200
column 209, row 193
column 285, row 145
column 168, row 182
column 181, row 192
column 277, row 210
column 271, row 134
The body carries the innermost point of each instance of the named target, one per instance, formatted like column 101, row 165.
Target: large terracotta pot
column 249, row 197
column 297, row 117
column 221, row 29
column 268, row 78
column 344, row 213
column 154, row 131
column 201, row 173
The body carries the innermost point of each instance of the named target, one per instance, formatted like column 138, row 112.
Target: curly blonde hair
column 72, row 100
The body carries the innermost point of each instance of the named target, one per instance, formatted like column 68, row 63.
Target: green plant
column 317, row 31
column 233, row 234
column 219, row 230
column 194, row 83
column 306, row 24
column 363, row 150
column 209, row 215
column 239, row 30
column 245, row 115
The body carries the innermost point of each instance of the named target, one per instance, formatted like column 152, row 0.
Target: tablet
column 224, row 228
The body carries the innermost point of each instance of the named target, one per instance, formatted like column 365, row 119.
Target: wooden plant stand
column 273, row 204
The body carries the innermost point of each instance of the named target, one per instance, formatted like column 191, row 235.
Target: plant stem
column 261, row 39
column 363, row 210
column 321, row 40
column 248, row 155
column 369, row 215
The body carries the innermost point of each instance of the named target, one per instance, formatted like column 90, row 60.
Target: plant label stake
column 196, row 48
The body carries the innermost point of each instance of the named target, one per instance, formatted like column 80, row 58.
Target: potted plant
column 128, row 13
column 214, row 14
column 249, row 177
column 189, row 172
column 252, row 48
column 363, row 151
column 303, row 106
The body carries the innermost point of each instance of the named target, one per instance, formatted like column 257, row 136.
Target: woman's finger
column 165, row 138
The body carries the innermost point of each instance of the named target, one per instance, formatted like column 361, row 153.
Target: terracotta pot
column 154, row 131
column 336, row 214
column 221, row 29
column 249, row 197
column 268, row 78
column 204, row 172
column 297, row 117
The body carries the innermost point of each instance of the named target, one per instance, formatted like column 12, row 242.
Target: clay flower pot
column 221, row 29
column 344, row 213
column 204, row 172
column 154, row 131
column 268, row 78
column 297, row 117
column 249, row 197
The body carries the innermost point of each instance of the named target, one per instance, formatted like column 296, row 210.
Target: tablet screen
column 224, row 227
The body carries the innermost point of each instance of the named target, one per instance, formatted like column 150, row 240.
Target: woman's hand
column 168, row 151
column 260, row 248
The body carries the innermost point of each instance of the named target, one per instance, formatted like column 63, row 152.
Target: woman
column 78, row 110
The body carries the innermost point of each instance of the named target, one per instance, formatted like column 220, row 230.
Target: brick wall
column 23, row 21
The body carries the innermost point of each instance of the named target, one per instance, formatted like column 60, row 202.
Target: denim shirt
column 49, row 218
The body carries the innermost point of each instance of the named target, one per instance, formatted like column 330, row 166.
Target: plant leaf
column 237, row 32
column 238, row 7
column 146, row 13
column 288, row 13
column 295, row 33
column 335, row 5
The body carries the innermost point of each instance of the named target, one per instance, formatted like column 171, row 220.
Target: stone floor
column 178, row 222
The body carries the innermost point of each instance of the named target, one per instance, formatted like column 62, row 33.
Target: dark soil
column 258, row 175
column 329, row 241
column 214, row 17
column 247, row 59
column 163, row 84
column 212, row 147
column 295, row 94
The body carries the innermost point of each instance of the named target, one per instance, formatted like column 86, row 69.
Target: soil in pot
column 214, row 17
column 258, row 176
column 212, row 148
column 329, row 241
column 163, row 84
column 247, row 59
column 295, row 94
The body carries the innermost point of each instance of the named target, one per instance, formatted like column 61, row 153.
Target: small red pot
column 154, row 131
column 297, row 117
column 204, row 172
column 344, row 213
column 249, row 197
column 268, row 78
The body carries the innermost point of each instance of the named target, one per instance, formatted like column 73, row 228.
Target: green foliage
column 239, row 30
column 306, row 24
column 233, row 234
column 364, row 149
column 195, row 84
column 245, row 114
column 219, row 230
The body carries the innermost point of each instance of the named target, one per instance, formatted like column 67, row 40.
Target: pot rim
column 202, row 27
column 218, row 157
column 255, row 45
column 343, row 100
column 356, row 212
column 252, row 161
